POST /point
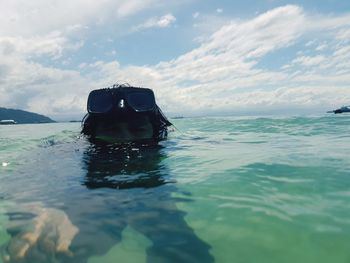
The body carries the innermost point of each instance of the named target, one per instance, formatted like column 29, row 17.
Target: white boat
column 6, row 122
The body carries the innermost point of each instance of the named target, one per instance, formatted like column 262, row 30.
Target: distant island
column 21, row 116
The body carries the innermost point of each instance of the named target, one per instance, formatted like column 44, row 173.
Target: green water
column 230, row 189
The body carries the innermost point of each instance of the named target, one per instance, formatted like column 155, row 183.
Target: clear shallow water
column 218, row 190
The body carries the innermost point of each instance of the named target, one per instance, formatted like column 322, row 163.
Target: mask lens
column 141, row 101
column 99, row 101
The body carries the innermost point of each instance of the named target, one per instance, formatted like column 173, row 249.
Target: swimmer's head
column 123, row 113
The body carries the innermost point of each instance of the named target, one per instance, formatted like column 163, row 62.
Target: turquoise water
column 230, row 189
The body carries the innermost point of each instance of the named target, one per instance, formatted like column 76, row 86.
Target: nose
column 121, row 104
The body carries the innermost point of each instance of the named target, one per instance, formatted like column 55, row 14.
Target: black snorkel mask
column 121, row 100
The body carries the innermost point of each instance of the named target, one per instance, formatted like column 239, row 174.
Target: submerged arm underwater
column 37, row 234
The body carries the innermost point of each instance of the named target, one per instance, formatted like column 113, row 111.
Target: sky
column 200, row 57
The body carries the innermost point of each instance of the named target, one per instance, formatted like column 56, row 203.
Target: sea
column 219, row 189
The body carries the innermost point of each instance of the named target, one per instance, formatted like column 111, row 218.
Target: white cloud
column 309, row 61
column 344, row 34
column 232, row 50
column 309, row 43
column 227, row 77
column 321, row 47
column 41, row 89
column 195, row 15
column 37, row 17
column 157, row 22
column 130, row 7
column 47, row 29
column 50, row 45
column 50, row 27
column 222, row 74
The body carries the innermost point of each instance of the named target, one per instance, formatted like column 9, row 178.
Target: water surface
column 230, row 189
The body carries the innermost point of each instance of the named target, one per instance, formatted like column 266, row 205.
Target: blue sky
column 200, row 57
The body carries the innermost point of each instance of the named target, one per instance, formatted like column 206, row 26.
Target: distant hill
column 21, row 116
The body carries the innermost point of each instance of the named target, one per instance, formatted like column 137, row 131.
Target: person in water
column 115, row 186
column 123, row 113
